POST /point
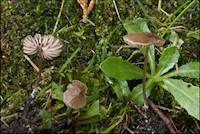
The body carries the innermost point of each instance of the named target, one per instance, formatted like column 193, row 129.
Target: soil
column 151, row 125
column 29, row 121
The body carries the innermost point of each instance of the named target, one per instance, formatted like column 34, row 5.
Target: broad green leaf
column 185, row 94
column 168, row 59
column 121, row 89
column 137, row 95
column 120, row 69
column 57, row 92
column 190, row 70
column 93, row 109
column 136, row 26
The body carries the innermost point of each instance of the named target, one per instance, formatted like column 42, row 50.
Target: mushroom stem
column 144, row 79
column 39, row 73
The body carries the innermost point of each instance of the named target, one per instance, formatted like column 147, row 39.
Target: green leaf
column 151, row 59
column 88, row 121
column 174, row 38
column 120, row 69
column 136, row 26
column 46, row 121
column 93, row 109
column 188, row 70
column 57, row 92
column 194, row 34
column 137, row 95
column 185, row 94
column 121, row 89
column 168, row 59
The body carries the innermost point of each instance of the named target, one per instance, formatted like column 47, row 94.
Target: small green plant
column 162, row 75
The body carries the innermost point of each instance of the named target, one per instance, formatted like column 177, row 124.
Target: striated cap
column 49, row 46
column 74, row 96
column 143, row 39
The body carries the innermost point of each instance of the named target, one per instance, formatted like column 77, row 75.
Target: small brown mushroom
column 74, row 96
column 144, row 40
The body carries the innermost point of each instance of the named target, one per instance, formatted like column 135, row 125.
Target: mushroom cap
column 143, row 39
column 49, row 45
column 74, row 96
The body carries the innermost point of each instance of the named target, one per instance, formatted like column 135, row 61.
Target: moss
column 26, row 17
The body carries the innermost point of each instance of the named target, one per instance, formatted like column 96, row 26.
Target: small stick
column 116, row 9
column 172, row 122
column 58, row 18
column 139, row 111
column 162, row 116
column 33, row 64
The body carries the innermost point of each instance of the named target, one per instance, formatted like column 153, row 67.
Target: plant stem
column 144, row 78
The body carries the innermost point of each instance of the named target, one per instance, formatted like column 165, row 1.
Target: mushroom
column 144, row 40
column 74, row 96
column 47, row 47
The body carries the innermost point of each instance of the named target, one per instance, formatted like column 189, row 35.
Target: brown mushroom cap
column 49, row 45
column 74, row 96
column 143, row 39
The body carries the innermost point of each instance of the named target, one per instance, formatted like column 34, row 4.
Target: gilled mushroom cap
column 49, row 45
column 74, row 96
column 143, row 39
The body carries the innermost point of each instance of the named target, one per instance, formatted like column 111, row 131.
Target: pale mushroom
column 74, row 96
column 144, row 40
column 47, row 46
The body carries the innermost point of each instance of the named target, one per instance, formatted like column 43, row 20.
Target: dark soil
column 151, row 125
column 27, row 121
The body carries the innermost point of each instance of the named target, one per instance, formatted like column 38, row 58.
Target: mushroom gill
column 47, row 46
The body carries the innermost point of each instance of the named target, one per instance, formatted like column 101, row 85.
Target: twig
column 116, row 9
column 33, row 64
column 139, row 111
column 196, row 122
column 129, row 130
column 58, row 18
column 162, row 116
column 172, row 122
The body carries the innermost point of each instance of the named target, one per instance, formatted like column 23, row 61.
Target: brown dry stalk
column 86, row 8
column 162, row 116
column 139, row 111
